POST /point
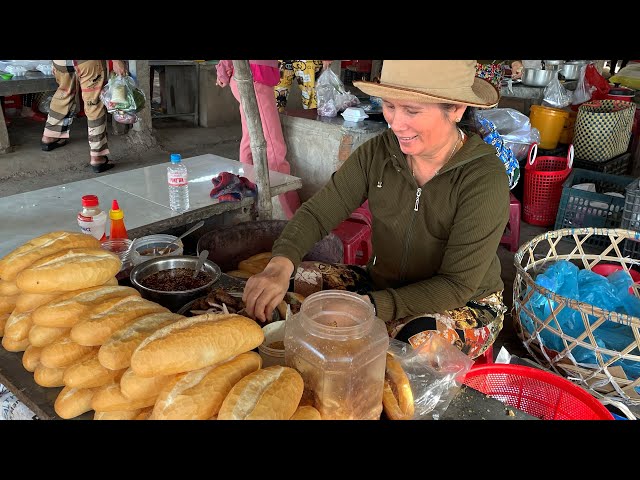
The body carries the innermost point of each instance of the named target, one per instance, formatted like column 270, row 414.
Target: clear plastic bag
column 583, row 91
column 435, row 370
column 121, row 95
column 555, row 95
column 332, row 96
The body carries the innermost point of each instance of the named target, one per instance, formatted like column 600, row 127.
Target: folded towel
column 229, row 187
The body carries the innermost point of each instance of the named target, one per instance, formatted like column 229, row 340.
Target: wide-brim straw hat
column 432, row 81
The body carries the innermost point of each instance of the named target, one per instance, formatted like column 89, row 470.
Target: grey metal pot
column 571, row 70
column 172, row 300
column 535, row 77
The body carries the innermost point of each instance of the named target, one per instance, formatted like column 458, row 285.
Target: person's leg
column 281, row 91
column 92, row 75
column 276, row 146
column 306, row 72
column 245, row 154
column 61, row 109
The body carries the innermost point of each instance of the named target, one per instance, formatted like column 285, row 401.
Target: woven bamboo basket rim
column 601, row 382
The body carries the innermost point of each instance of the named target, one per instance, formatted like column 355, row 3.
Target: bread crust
column 8, row 288
column 68, row 270
column 111, row 316
column 72, row 402
column 115, row 353
column 109, row 398
column 17, row 327
column 48, row 377
column 134, row 387
column 44, row 245
column 27, row 302
column 271, row 393
column 198, row 395
column 3, row 321
column 117, row 415
column 8, row 303
column 63, row 353
column 194, row 343
column 89, row 373
column 397, row 396
column 67, row 309
column 31, row 358
column 40, row 336
column 306, row 412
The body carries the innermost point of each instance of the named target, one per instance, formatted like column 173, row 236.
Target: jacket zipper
column 405, row 254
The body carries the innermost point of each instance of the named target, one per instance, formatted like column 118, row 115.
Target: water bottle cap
column 176, row 158
column 89, row 201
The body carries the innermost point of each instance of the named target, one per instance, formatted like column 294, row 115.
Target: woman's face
column 421, row 128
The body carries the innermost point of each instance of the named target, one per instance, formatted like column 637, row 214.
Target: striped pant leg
column 63, row 103
column 92, row 75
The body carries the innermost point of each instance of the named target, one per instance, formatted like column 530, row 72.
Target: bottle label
column 177, row 179
column 94, row 226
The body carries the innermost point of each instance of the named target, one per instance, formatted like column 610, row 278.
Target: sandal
column 102, row 167
column 47, row 147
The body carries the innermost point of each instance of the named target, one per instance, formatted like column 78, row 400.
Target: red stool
column 362, row 214
column 511, row 234
column 356, row 239
column 486, row 357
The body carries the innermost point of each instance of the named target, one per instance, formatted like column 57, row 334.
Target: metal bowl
column 571, row 70
column 536, row 77
column 173, row 300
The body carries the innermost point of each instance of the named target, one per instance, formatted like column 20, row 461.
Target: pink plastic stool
column 511, row 234
column 356, row 239
column 362, row 214
column 486, row 357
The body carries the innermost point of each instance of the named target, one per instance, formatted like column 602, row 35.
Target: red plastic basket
column 536, row 392
column 543, row 181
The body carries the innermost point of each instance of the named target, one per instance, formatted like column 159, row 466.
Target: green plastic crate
column 581, row 208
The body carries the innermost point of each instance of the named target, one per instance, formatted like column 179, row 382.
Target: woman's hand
column 516, row 69
column 264, row 291
column 119, row 67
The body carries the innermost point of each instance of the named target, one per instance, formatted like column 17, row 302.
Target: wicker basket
column 602, row 378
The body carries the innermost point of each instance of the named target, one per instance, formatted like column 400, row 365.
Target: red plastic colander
column 536, row 392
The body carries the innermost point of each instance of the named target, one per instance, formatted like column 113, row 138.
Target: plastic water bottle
column 177, row 177
column 91, row 219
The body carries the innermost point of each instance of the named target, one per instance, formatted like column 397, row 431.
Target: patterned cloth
column 229, row 187
column 472, row 328
column 306, row 72
column 492, row 72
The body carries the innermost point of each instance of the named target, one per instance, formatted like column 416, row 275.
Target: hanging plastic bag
column 435, row 370
column 555, row 95
column 594, row 78
column 332, row 96
column 121, row 96
column 583, row 91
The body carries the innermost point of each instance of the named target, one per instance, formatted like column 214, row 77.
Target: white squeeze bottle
column 177, row 177
column 91, row 219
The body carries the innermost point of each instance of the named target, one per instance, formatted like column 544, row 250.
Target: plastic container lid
column 176, row 158
column 89, row 201
column 354, row 114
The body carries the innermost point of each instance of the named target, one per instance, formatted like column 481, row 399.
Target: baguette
column 115, row 353
column 15, row 345
column 48, row 377
column 31, row 358
column 3, row 321
column 109, row 398
column 240, row 274
column 198, row 395
column 69, row 270
column 8, row 303
column 42, row 246
column 8, row 288
column 89, row 374
column 144, row 414
column 17, row 327
column 194, row 343
column 271, row 393
column 110, row 317
column 397, row 396
column 72, row 402
column 69, row 308
column 40, row 336
column 134, row 387
column 117, row 415
column 27, row 302
column 253, row 264
column 63, row 353
column 306, row 412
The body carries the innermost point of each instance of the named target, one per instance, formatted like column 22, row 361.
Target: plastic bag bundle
column 122, row 98
column 489, row 133
column 555, row 95
column 332, row 96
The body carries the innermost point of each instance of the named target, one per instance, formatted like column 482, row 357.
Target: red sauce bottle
column 118, row 230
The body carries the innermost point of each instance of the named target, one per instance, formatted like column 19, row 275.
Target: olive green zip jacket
column 434, row 246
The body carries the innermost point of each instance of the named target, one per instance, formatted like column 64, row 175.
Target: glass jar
column 339, row 347
column 146, row 246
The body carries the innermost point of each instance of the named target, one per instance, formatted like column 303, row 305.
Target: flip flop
column 47, row 147
column 102, row 167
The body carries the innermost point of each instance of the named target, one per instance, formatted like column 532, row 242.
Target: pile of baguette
column 251, row 266
column 125, row 357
